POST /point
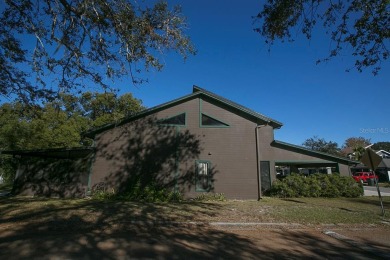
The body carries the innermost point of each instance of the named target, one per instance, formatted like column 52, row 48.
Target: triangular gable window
column 175, row 120
column 209, row 121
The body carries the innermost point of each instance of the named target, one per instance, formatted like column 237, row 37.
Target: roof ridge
column 196, row 91
column 235, row 104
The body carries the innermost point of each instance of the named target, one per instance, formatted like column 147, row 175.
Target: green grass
column 308, row 211
column 364, row 210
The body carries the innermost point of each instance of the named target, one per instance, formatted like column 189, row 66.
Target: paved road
column 372, row 191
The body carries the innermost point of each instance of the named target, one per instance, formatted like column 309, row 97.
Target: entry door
column 265, row 175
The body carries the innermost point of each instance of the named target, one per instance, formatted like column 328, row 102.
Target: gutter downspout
column 259, row 195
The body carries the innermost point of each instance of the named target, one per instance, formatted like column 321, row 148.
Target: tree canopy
column 60, row 123
column 354, row 142
column 362, row 26
column 321, row 145
column 61, row 46
column 355, row 147
column 381, row 146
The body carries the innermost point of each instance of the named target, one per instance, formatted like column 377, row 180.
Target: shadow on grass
column 111, row 230
column 292, row 200
column 374, row 201
column 88, row 229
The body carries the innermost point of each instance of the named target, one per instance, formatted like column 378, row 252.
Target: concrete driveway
column 372, row 191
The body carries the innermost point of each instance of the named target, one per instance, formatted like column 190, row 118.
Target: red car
column 364, row 176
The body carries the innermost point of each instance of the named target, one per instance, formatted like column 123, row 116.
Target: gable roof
column 385, row 163
column 301, row 149
column 196, row 93
column 381, row 152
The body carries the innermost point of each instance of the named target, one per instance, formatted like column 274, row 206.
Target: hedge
column 316, row 185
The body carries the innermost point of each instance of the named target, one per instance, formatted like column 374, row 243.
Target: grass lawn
column 384, row 184
column 89, row 213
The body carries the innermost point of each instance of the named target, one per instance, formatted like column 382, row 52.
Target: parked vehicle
column 364, row 177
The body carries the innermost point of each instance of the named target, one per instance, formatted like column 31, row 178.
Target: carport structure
column 297, row 157
column 296, row 166
column 58, row 172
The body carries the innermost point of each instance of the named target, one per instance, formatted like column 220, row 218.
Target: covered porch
column 307, row 167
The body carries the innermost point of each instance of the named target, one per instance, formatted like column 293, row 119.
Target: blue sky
column 285, row 84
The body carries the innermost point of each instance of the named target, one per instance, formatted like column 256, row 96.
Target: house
column 198, row 143
column 383, row 154
column 383, row 170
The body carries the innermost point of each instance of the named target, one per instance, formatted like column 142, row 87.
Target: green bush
column 151, row 192
column 8, row 166
column 103, row 195
column 210, row 197
column 316, row 185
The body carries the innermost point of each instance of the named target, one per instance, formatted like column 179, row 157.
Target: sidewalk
column 372, row 191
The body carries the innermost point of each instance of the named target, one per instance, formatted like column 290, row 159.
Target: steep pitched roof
column 311, row 152
column 274, row 123
column 197, row 92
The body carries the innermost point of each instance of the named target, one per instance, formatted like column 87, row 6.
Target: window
column 179, row 120
column 212, row 122
column 202, row 176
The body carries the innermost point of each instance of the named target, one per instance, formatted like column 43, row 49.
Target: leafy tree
column 71, row 44
column 104, row 108
column 34, row 128
column 354, row 142
column 58, row 123
column 14, row 130
column 61, row 122
column 381, row 146
column 360, row 25
column 321, row 145
column 355, row 147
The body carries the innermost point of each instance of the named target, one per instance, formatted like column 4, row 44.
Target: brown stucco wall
column 142, row 149
column 64, row 178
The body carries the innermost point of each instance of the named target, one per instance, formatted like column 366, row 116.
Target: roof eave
column 349, row 161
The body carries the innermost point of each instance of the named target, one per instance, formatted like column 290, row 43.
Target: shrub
column 151, row 192
column 8, row 166
column 103, row 195
column 316, row 185
column 281, row 189
column 210, row 197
